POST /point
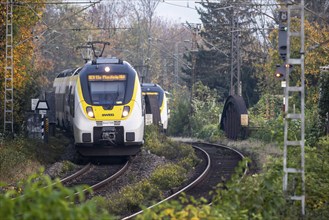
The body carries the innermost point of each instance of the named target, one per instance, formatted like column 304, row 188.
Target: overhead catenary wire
column 92, row 3
column 86, row 2
column 170, row 54
column 181, row 6
column 60, row 20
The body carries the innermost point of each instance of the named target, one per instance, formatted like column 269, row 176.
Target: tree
column 324, row 104
column 141, row 38
column 213, row 60
column 66, row 27
column 318, row 11
column 24, row 22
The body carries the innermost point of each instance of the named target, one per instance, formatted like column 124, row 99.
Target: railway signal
column 282, row 42
column 283, row 15
column 281, row 71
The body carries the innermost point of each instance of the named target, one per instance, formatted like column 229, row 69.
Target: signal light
column 281, row 71
column 282, row 41
column 283, row 15
column 279, row 75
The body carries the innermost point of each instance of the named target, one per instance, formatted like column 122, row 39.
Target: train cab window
column 107, row 92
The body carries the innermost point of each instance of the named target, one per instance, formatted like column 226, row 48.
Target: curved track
column 218, row 164
column 223, row 163
column 95, row 176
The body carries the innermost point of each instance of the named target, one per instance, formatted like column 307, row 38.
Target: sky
column 178, row 11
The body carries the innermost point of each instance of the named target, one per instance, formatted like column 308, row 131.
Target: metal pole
column 291, row 116
column 176, row 63
column 42, row 127
column 9, row 71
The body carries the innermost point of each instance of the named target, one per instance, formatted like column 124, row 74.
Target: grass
column 257, row 151
column 21, row 157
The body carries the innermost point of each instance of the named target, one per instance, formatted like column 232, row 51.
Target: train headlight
column 125, row 111
column 90, row 112
column 107, row 69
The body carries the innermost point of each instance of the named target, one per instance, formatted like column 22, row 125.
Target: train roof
column 106, row 60
column 67, row 72
column 123, row 66
column 152, row 87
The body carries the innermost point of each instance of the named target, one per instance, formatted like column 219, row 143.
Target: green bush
column 159, row 144
column 312, row 126
column 269, row 130
column 198, row 117
column 178, row 124
column 67, row 166
column 323, row 104
column 317, row 179
column 41, row 198
column 168, row 176
column 205, row 112
column 210, row 132
column 130, row 198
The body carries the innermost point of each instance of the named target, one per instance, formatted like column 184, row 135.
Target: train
column 101, row 103
column 161, row 112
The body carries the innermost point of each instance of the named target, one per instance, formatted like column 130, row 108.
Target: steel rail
column 227, row 147
column 76, row 174
column 109, row 179
column 103, row 182
column 191, row 185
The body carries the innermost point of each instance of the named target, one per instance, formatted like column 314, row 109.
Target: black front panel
column 149, row 87
column 86, row 137
column 130, row 136
column 114, row 135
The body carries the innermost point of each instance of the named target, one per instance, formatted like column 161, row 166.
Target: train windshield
column 107, row 92
column 154, row 94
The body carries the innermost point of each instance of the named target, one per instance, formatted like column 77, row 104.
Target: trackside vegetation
column 21, row 157
column 181, row 160
column 198, row 94
column 258, row 196
column 199, row 117
column 39, row 197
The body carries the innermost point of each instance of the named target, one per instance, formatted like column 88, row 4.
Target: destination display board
column 150, row 93
column 100, row 77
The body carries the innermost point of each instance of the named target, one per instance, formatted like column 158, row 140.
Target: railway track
column 223, row 163
column 95, row 176
column 218, row 164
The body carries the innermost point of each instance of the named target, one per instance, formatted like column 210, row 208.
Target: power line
column 94, row 29
column 49, row 3
column 58, row 22
column 181, row 6
column 89, row 2
column 169, row 53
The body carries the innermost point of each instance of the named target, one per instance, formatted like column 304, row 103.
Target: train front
column 150, row 89
column 108, row 119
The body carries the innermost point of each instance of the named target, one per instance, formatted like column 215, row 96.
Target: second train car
column 155, row 90
column 102, row 104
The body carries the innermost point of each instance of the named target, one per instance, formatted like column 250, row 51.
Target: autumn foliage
column 25, row 24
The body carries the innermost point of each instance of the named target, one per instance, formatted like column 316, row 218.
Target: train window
column 71, row 101
column 107, row 92
column 155, row 94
